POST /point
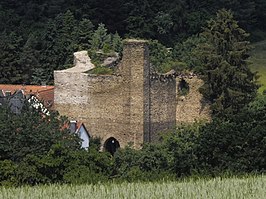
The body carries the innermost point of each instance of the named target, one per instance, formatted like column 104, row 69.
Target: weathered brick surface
column 192, row 107
column 129, row 106
column 112, row 105
column 163, row 107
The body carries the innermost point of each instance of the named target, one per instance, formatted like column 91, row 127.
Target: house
column 80, row 129
column 15, row 95
column 40, row 97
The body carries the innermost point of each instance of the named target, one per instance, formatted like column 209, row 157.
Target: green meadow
column 218, row 188
column 258, row 63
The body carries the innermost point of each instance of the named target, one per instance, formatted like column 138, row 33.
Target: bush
column 101, row 70
column 181, row 146
column 82, row 174
column 148, row 164
column 238, row 143
column 28, row 173
column 30, row 132
column 7, row 173
column 59, row 165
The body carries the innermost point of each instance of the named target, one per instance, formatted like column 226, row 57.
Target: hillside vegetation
column 258, row 63
column 38, row 37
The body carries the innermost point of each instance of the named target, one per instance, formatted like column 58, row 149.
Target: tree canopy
column 228, row 82
column 30, row 132
column 42, row 35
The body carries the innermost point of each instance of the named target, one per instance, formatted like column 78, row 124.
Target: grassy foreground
column 248, row 187
column 258, row 60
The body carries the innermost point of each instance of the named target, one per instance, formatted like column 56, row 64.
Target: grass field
column 217, row 188
column 258, row 59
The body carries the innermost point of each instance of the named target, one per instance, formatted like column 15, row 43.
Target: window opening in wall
column 183, row 87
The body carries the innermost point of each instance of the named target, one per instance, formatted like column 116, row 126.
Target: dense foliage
column 228, row 82
column 30, row 132
column 37, row 148
column 233, row 145
column 33, row 58
column 39, row 37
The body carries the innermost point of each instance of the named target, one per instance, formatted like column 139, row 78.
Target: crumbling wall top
column 135, row 41
column 82, row 63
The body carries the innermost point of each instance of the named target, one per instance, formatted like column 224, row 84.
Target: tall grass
column 233, row 188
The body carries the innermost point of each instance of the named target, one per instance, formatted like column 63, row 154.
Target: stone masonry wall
column 163, row 107
column 191, row 107
column 110, row 105
column 130, row 106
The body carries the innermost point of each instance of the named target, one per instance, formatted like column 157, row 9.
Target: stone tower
column 130, row 106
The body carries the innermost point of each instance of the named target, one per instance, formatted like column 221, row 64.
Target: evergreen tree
column 117, row 43
column 10, row 47
column 84, row 34
column 100, row 38
column 59, row 43
column 39, row 76
column 29, row 58
column 244, row 11
column 229, row 83
column 139, row 19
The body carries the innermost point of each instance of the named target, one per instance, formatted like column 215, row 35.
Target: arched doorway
column 111, row 145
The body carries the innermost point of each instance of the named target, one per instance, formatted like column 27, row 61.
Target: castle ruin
column 132, row 106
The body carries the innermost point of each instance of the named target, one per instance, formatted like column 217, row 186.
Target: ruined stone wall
column 133, row 105
column 191, row 107
column 135, row 68
column 110, row 105
column 163, row 107
column 100, row 103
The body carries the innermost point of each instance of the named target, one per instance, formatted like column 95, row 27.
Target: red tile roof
column 43, row 93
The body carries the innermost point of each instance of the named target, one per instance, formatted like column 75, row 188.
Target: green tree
column 228, row 82
column 29, row 57
column 185, row 51
column 84, row 34
column 244, row 11
column 10, row 69
column 30, row 132
column 117, row 43
column 162, row 58
column 59, row 42
column 39, row 76
column 100, row 38
column 236, row 143
column 181, row 146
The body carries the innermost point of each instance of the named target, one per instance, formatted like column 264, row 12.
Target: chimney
column 73, row 126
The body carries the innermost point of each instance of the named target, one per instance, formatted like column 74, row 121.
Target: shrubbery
column 59, row 165
column 37, row 148
column 236, row 144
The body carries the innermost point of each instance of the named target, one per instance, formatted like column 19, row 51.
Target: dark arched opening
column 111, row 145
